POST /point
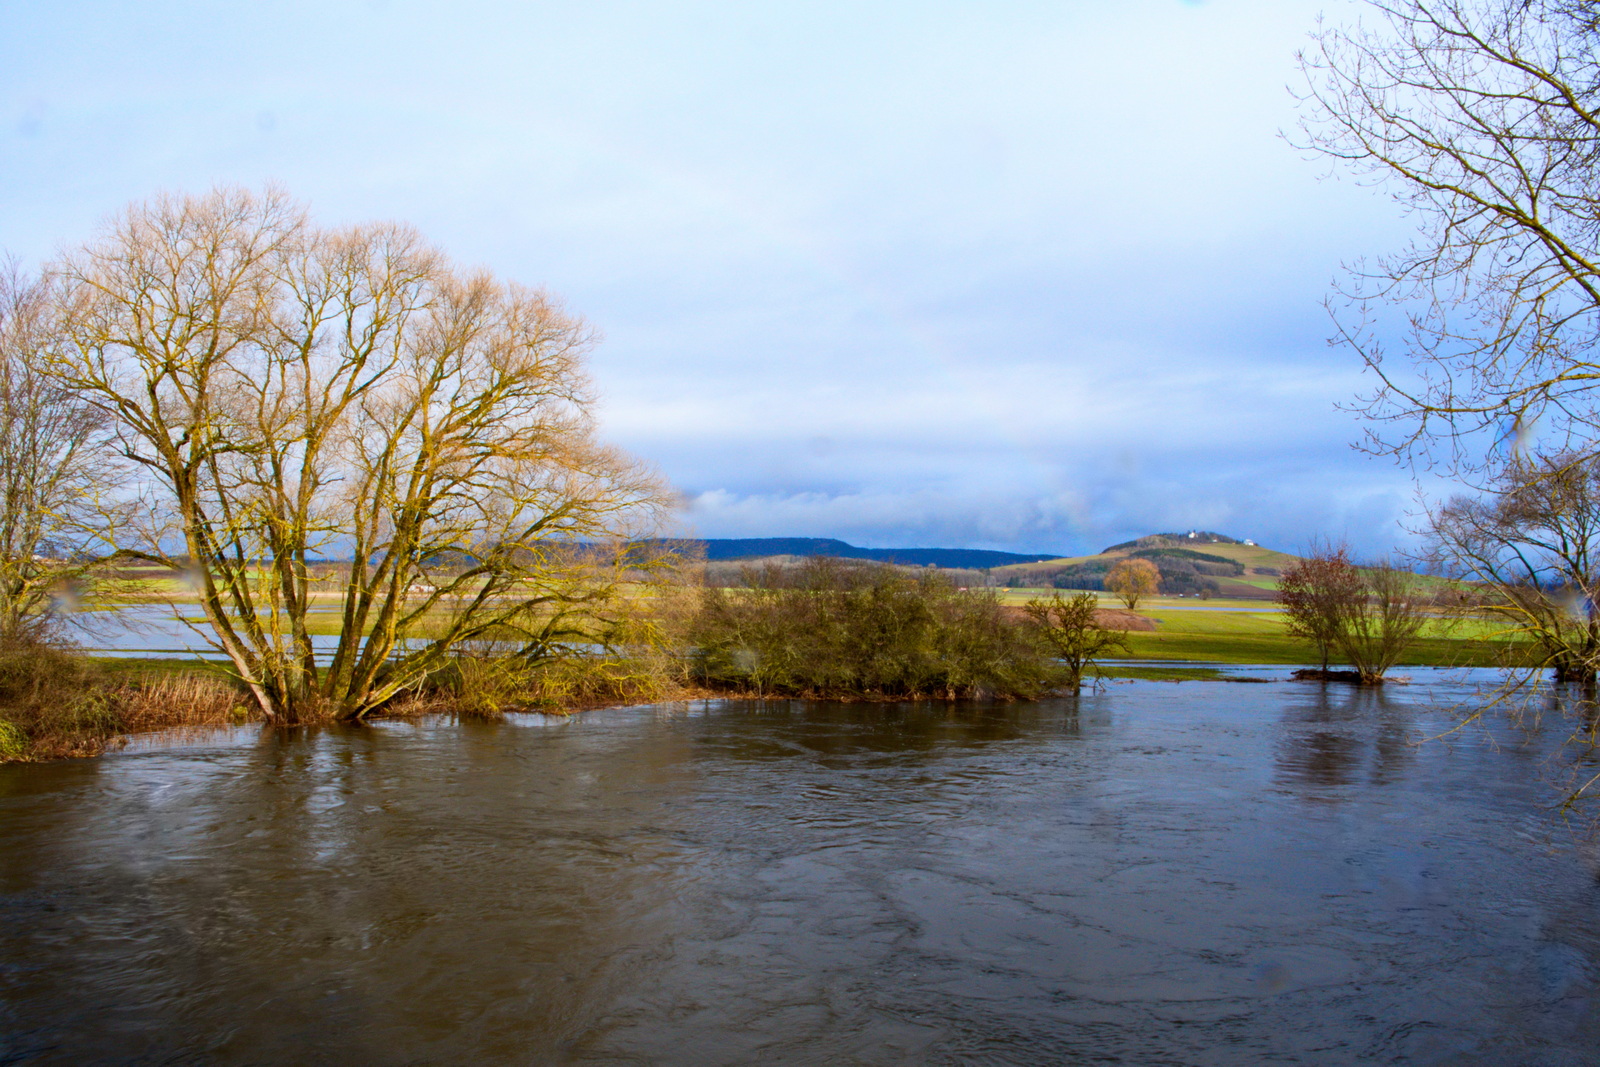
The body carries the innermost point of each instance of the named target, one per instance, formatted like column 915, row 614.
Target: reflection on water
column 1336, row 736
column 1190, row 874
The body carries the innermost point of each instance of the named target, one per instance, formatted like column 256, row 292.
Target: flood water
column 1201, row 873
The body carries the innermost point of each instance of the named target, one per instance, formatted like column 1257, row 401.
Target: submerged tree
column 1381, row 625
column 1370, row 615
column 292, row 392
column 1075, row 633
column 1314, row 592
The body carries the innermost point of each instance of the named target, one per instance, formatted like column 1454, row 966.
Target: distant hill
column 1192, row 563
column 731, row 548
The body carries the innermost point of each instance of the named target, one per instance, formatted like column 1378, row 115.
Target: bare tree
column 54, row 466
column 295, row 393
column 1482, row 118
column 1371, row 615
column 1529, row 553
column 1314, row 592
column 1132, row 580
column 1383, row 623
column 1073, row 631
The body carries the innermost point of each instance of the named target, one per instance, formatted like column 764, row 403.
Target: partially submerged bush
column 490, row 686
column 54, row 703
column 1072, row 627
column 629, row 659
column 835, row 628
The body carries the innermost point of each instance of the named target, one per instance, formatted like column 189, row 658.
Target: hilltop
column 1196, row 563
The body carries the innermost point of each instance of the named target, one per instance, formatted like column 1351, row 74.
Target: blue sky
column 1030, row 276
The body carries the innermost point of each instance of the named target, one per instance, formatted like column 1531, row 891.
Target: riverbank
column 56, row 704
column 81, row 710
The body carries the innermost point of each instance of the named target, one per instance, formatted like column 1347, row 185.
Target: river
column 1196, row 873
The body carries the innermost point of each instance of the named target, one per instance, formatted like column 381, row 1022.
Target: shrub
column 836, row 628
column 1071, row 628
column 52, row 703
column 55, row 703
column 490, row 686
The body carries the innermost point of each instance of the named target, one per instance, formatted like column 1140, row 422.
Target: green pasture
column 137, row 667
column 1259, row 637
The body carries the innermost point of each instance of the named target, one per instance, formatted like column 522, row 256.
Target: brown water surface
column 1159, row 874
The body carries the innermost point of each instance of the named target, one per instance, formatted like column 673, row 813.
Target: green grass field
column 1162, row 674
column 1259, row 637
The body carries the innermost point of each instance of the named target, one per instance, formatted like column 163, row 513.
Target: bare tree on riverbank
column 1529, row 553
column 55, row 466
column 291, row 391
column 1482, row 119
column 1078, row 639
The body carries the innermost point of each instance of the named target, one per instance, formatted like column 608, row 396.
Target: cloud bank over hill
column 1028, row 276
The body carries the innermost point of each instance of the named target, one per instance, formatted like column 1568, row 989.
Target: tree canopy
column 291, row 392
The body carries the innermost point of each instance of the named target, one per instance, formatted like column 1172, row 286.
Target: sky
column 1030, row 276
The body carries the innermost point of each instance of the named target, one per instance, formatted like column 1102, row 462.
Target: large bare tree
column 1482, row 119
column 55, row 467
column 295, row 393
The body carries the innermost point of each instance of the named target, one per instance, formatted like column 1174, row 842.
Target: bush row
column 836, row 628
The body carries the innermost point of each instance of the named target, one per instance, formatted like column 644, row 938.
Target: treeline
column 735, row 573
column 1175, row 540
column 823, row 628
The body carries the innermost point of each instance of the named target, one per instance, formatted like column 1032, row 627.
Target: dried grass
column 163, row 701
column 54, row 704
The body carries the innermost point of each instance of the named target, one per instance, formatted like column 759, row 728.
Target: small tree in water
column 1072, row 631
column 1313, row 592
column 1383, row 623
column 1371, row 615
